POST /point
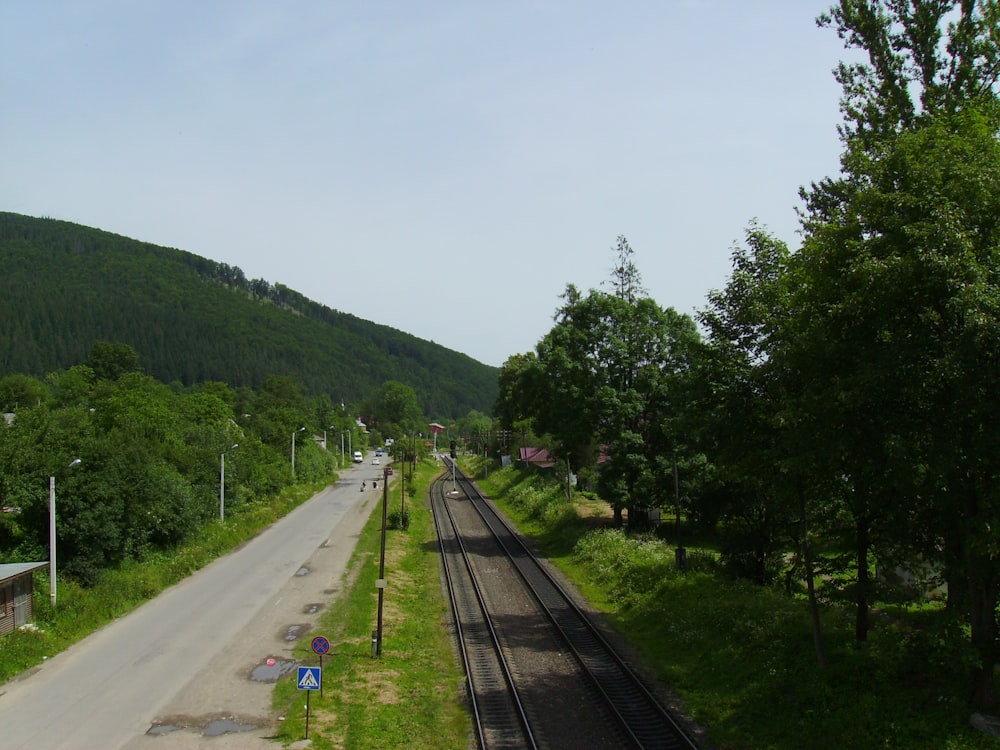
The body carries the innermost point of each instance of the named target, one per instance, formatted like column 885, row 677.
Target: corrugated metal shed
column 17, row 607
column 13, row 570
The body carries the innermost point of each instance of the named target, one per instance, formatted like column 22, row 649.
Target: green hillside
column 64, row 287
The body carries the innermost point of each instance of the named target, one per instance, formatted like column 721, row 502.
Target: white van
column 358, row 457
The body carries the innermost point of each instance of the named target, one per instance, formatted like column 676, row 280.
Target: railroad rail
column 633, row 715
column 497, row 712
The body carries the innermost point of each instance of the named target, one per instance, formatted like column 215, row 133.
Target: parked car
column 358, row 457
column 388, row 470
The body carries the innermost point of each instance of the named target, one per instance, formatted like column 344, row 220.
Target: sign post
column 310, row 678
column 320, row 646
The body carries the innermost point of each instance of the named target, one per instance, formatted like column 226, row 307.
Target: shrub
column 636, row 566
column 398, row 520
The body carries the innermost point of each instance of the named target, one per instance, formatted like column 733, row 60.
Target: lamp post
column 222, row 483
column 301, row 429
column 402, row 479
column 52, row 533
column 380, row 583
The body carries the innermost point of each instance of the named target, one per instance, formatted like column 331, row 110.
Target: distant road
column 109, row 688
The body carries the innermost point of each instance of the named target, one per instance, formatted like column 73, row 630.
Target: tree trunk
column 862, row 542
column 762, row 544
column 569, row 482
column 954, row 572
column 982, row 608
column 810, row 584
column 983, row 623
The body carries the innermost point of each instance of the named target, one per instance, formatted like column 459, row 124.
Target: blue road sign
column 320, row 645
column 310, row 678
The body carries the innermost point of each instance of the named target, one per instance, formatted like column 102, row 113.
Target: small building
column 17, row 588
column 538, row 457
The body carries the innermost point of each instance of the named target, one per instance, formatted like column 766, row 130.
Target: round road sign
column 320, row 645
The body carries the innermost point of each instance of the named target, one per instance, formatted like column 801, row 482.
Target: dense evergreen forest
column 65, row 287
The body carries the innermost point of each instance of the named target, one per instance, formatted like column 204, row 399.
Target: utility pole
column 52, row 533
column 680, row 553
column 380, row 583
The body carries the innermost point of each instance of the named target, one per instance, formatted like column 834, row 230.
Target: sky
column 442, row 167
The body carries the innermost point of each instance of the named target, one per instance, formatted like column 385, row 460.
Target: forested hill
column 64, row 287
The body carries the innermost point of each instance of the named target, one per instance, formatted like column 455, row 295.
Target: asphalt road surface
column 181, row 664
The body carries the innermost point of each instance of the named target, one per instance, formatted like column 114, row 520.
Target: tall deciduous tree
column 395, row 407
column 565, row 379
column 599, row 382
column 898, row 309
column 753, row 424
column 739, row 398
column 513, row 404
column 110, row 361
column 904, row 328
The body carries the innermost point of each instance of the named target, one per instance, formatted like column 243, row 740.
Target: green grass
column 410, row 697
column 81, row 611
column 741, row 657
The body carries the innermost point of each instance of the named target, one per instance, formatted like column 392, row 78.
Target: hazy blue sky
column 444, row 168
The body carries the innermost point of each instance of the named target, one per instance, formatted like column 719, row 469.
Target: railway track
column 539, row 672
column 500, row 721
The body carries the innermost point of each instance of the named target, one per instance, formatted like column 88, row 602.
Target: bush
column 398, row 520
column 637, row 566
column 702, row 561
column 540, row 501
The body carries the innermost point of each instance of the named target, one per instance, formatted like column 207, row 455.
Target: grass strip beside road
column 411, row 697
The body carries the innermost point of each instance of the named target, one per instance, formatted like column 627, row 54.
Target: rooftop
column 13, row 570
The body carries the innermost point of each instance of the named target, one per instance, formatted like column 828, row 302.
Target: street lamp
column 301, row 429
column 52, row 533
column 222, row 483
column 380, row 583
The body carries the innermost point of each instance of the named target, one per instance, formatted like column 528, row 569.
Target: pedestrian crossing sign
column 309, row 678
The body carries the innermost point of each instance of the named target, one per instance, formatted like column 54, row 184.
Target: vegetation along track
column 540, row 673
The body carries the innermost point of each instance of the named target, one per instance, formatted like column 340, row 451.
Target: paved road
column 109, row 689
